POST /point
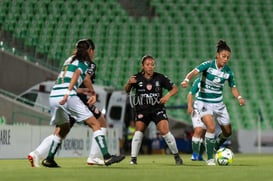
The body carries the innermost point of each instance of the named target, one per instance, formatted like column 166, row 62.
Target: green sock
column 102, row 144
column 53, row 149
column 202, row 148
column 210, row 143
column 195, row 146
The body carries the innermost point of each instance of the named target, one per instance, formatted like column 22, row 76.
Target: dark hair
column 146, row 57
column 222, row 45
column 80, row 51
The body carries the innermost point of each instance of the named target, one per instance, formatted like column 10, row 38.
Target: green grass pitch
column 150, row 167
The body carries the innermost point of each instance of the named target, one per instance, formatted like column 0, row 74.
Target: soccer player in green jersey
column 64, row 102
column 199, row 128
column 214, row 74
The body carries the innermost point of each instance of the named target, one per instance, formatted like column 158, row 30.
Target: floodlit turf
column 150, row 167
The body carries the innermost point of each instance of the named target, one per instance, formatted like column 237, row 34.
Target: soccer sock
column 210, row 143
column 100, row 140
column 170, row 140
column 202, row 147
column 43, row 148
column 136, row 143
column 55, row 144
column 95, row 149
column 195, row 145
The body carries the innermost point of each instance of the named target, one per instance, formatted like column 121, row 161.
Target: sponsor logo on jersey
column 149, row 87
column 139, row 116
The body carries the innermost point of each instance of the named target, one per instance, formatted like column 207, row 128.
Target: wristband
column 186, row 79
column 67, row 92
column 239, row 97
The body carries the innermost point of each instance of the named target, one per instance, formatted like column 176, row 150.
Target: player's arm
column 131, row 81
column 88, row 84
column 172, row 92
column 189, row 76
column 237, row 95
column 190, row 102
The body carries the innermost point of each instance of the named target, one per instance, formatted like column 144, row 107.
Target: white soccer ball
column 224, row 156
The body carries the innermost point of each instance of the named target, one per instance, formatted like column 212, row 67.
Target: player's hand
column 64, row 100
column 132, row 80
column 190, row 109
column 164, row 99
column 241, row 101
column 184, row 84
column 92, row 100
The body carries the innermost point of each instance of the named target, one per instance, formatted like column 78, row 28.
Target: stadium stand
column 178, row 33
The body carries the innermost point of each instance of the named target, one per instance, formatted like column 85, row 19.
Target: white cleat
column 34, row 160
column 95, row 161
column 211, row 162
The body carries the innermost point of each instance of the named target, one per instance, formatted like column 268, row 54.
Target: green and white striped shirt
column 65, row 76
column 213, row 80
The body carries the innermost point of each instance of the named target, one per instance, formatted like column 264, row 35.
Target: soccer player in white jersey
column 64, row 102
column 214, row 74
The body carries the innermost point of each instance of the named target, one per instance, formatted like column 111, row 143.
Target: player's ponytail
column 222, row 45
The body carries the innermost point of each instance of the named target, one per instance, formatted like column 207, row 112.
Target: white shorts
column 73, row 107
column 196, row 120
column 217, row 110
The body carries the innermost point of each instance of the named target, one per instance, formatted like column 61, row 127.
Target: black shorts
column 96, row 112
column 155, row 116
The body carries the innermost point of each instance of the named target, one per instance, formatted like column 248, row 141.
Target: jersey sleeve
column 203, row 66
column 195, row 86
column 231, row 80
column 92, row 72
column 166, row 82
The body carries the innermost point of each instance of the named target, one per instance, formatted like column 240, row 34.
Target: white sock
column 43, row 148
column 170, row 140
column 136, row 143
column 195, row 139
column 94, row 148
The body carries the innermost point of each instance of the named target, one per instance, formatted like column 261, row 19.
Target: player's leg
column 100, row 140
column 223, row 124
column 195, row 147
column 223, row 136
column 196, row 137
column 136, row 141
column 202, row 147
column 40, row 152
column 60, row 133
column 163, row 127
column 95, row 157
column 209, row 137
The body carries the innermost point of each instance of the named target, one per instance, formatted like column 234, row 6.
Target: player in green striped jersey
column 199, row 128
column 64, row 102
column 214, row 74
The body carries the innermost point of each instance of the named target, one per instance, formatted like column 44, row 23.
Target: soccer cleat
column 211, row 162
column 50, row 163
column 133, row 161
column 95, row 161
column 33, row 159
column 200, row 158
column 113, row 159
column 178, row 160
column 194, row 157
